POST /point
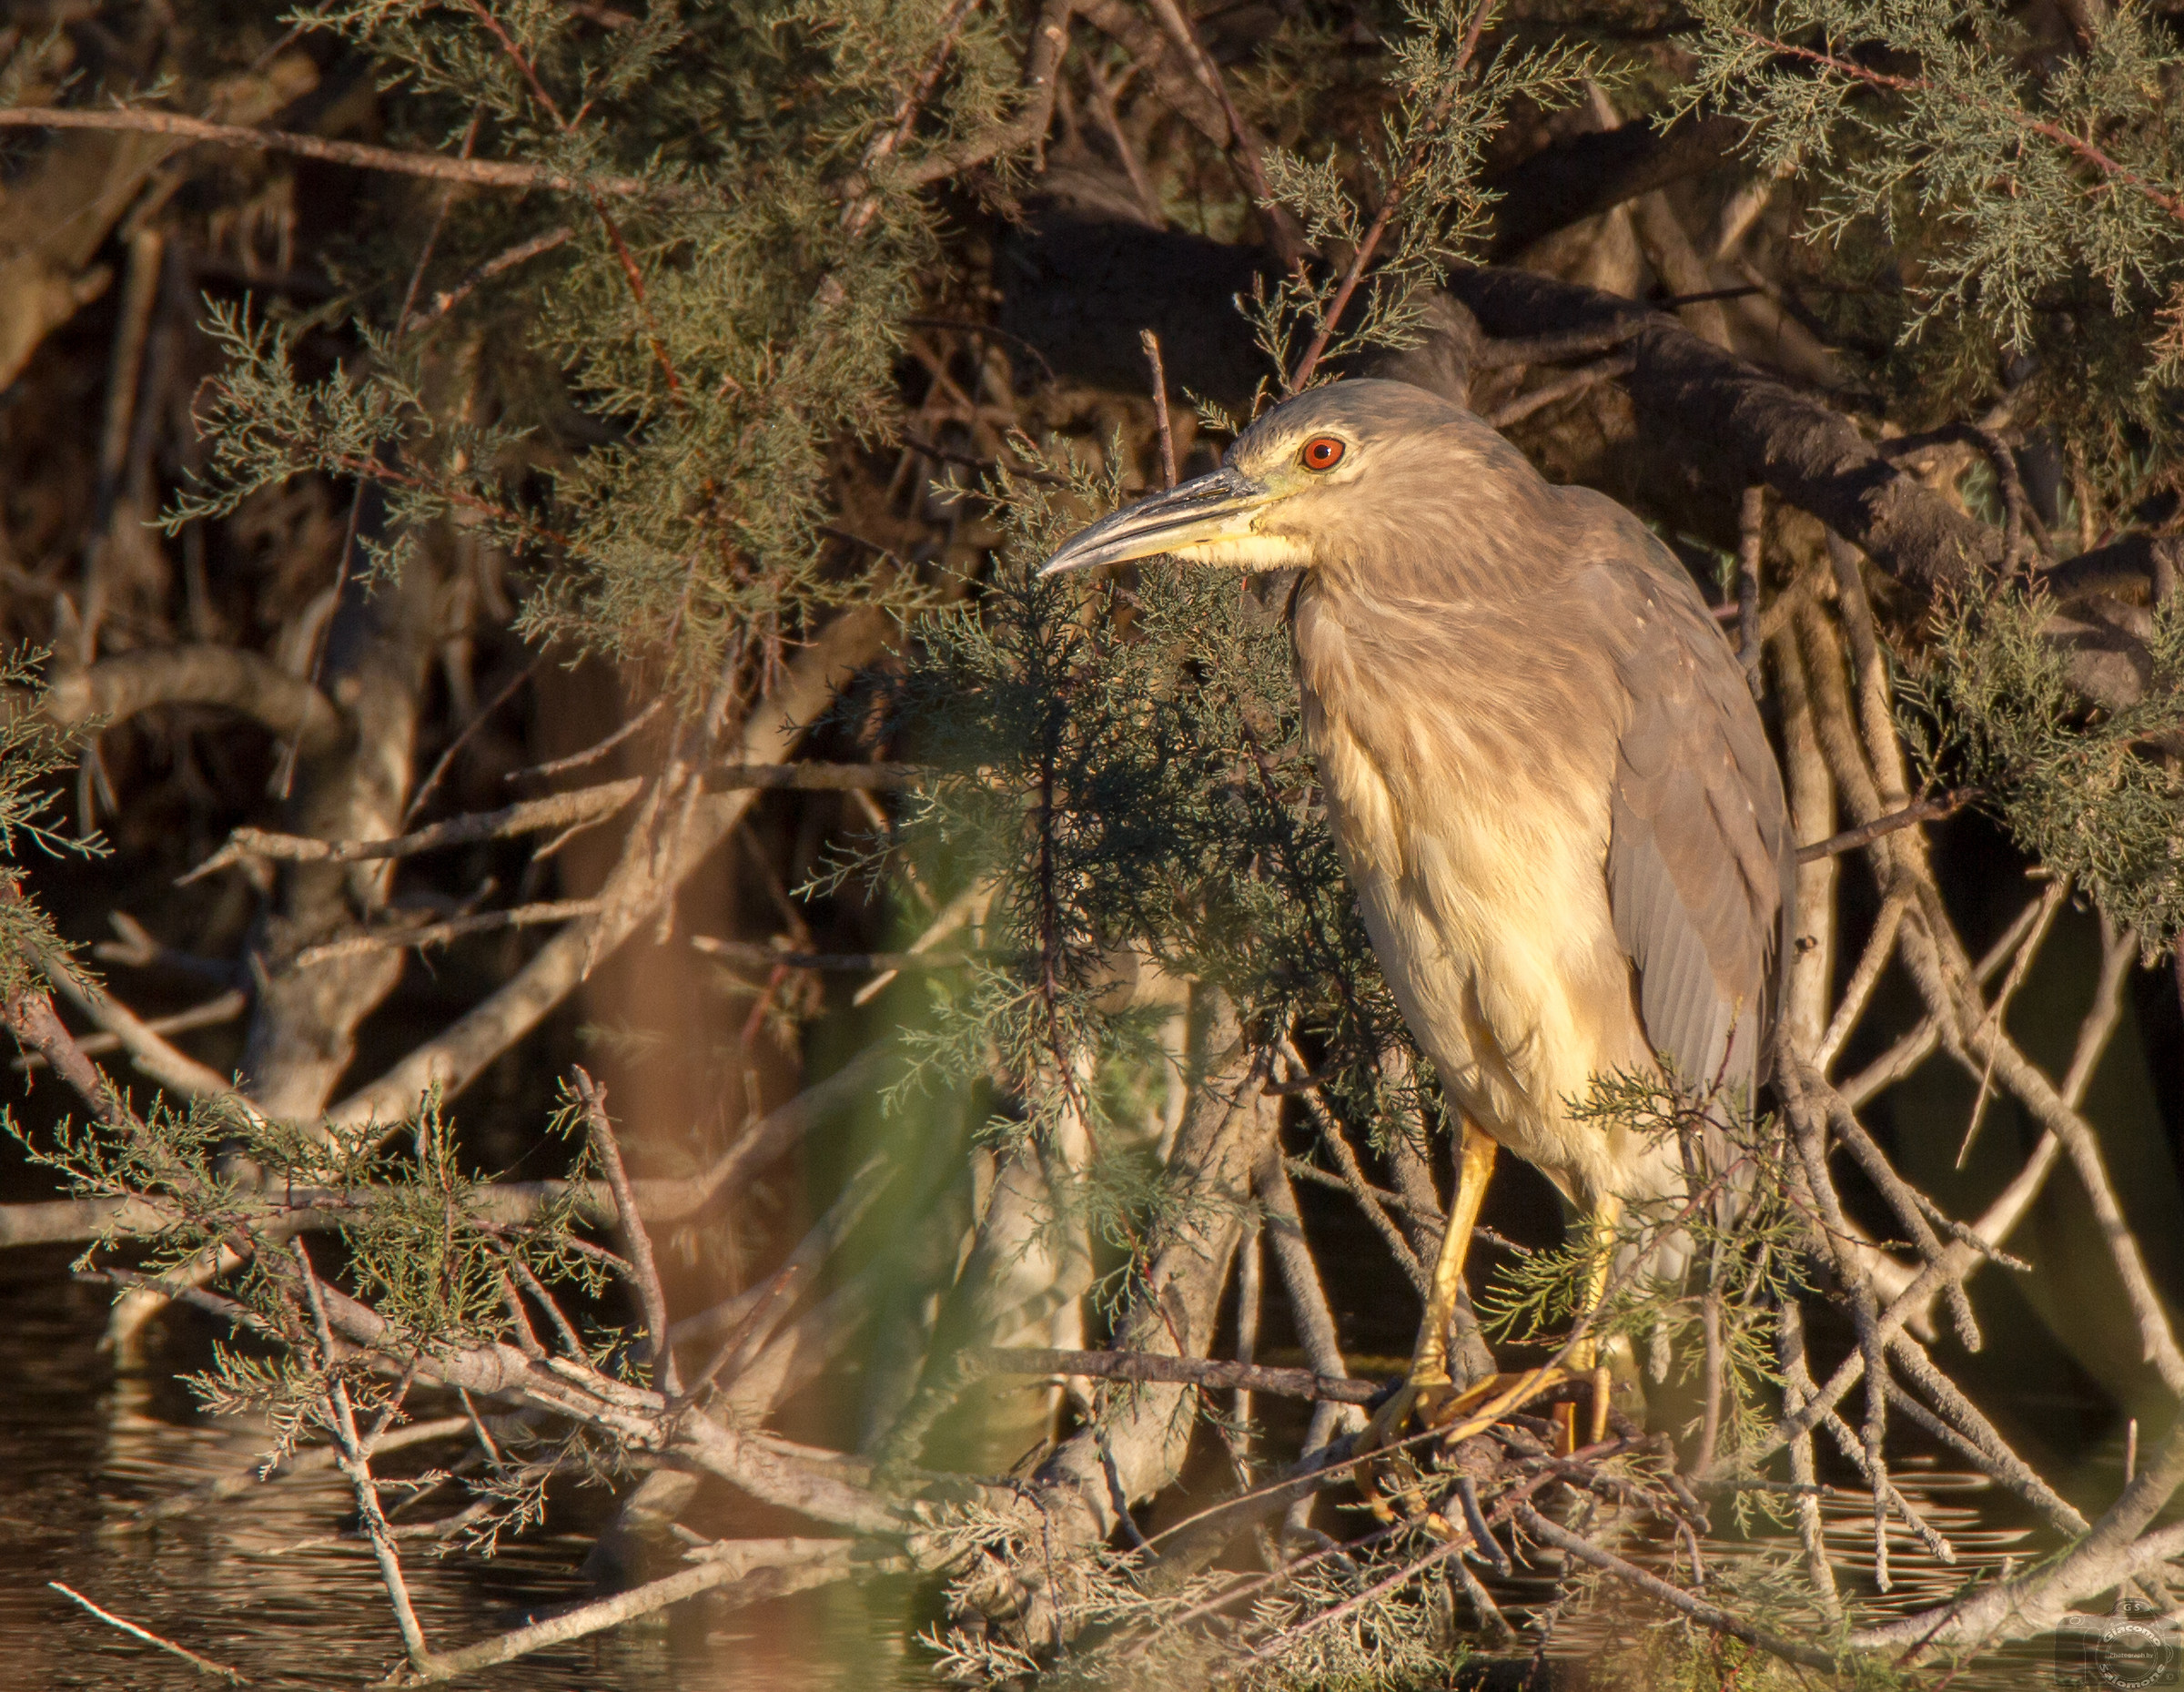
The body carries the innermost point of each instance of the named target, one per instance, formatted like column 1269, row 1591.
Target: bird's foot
column 1440, row 1408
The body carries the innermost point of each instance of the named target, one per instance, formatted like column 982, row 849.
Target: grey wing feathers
column 1699, row 858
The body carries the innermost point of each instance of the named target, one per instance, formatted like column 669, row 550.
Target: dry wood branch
column 31, row 1018
column 1151, row 342
column 1706, row 1615
column 638, row 886
column 752, row 956
column 447, row 299
column 1751, row 554
column 1042, row 64
column 967, row 909
column 563, row 810
column 203, row 1665
column 355, row 1463
column 72, row 1221
column 210, row 1014
column 226, row 677
column 755, row 1570
column 817, row 778
column 454, row 928
column 2037, row 1602
column 314, row 1460
column 749, row 1318
column 594, row 752
column 1880, row 946
column 2024, row 934
column 858, row 215
column 1214, row 1376
column 634, row 1416
column 1152, row 54
column 1563, row 388
column 472, row 172
column 1246, row 153
column 636, row 1239
column 503, row 1204
column 148, row 1050
column 1907, row 1203
column 1919, row 811
column 1944, row 979
column 1353, row 1177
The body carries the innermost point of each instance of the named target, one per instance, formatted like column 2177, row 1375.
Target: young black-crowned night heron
column 1545, row 775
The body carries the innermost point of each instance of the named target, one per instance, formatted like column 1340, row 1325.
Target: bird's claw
column 1437, row 1406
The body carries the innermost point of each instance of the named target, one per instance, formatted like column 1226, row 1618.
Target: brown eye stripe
column 1321, row 453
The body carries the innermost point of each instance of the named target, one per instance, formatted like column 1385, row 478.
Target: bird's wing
column 1699, row 858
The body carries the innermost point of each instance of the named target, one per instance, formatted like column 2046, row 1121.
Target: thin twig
column 597, row 750
column 813, row 777
column 1397, row 188
column 426, row 788
column 634, row 1235
column 448, row 298
column 1706, row 1615
column 586, row 805
column 473, row 172
column 454, row 928
column 767, row 957
column 210, row 1014
column 1210, row 1373
column 204, row 1665
column 356, row 1465
column 1151, row 343
column 1865, row 834
column 1563, row 388
column 1751, row 552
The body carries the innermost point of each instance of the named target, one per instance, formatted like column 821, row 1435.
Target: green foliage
column 427, row 1245
column 1723, row 1256
column 2004, row 180
column 1995, row 214
column 33, row 750
column 1122, row 763
column 2094, row 796
column 724, row 313
column 1446, row 107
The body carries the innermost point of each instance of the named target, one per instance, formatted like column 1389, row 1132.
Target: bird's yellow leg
column 1475, row 1167
column 1584, row 1356
column 1427, row 1389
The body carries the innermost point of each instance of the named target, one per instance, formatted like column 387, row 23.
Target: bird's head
column 1296, row 486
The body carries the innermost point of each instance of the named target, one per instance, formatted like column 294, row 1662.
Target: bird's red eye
column 1322, row 453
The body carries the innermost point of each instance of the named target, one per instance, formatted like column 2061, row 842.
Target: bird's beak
column 1208, row 518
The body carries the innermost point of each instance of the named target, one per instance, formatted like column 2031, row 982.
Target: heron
column 1547, row 779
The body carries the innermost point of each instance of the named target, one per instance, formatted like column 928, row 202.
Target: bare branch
column 472, row 172
column 453, row 928
column 757, row 1569
column 1042, row 66
column 148, row 1050
column 563, row 810
column 635, row 1238
column 204, row 1665
column 1576, row 382
column 117, row 688
column 447, row 299
column 1212, row 1375
column 817, row 778
column 455, row 1057
column 1706, row 1615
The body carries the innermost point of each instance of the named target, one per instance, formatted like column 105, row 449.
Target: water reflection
column 260, row 1583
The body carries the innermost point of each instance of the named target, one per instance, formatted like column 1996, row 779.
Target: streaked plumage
column 1541, row 765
